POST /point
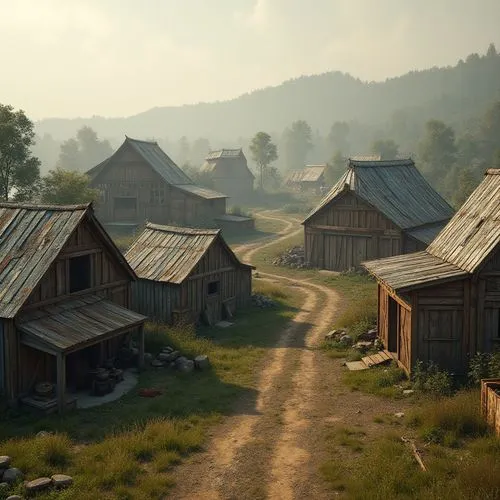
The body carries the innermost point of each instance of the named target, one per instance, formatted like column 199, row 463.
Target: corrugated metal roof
column 76, row 323
column 169, row 254
column 415, row 270
column 308, row 174
column 394, row 187
column 223, row 153
column 202, row 192
column 31, row 237
column 474, row 232
column 154, row 156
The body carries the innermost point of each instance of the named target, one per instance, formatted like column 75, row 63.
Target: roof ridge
column 35, row 206
column 380, row 163
column 140, row 140
column 182, row 230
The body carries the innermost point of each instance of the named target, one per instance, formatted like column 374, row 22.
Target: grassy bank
column 126, row 449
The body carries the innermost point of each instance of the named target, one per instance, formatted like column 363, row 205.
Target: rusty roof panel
column 76, row 323
column 474, row 232
column 169, row 254
column 31, row 237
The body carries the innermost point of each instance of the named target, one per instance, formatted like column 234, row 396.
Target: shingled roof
column 31, row 238
column 169, row 254
column 161, row 163
column 223, row 153
column 312, row 173
column 219, row 164
column 398, row 190
column 466, row 242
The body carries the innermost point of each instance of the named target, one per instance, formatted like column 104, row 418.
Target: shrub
column 432, row 380
column 484, row 365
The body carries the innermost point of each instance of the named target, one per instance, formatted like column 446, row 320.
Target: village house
column 443, row 304
column 311, row 178
column 228, row 169
column 64, row 302
column 377, row 209
column 140, row 182
column 187, row 274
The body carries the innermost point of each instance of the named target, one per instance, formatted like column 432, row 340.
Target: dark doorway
column 392, row 337
column 79, row 273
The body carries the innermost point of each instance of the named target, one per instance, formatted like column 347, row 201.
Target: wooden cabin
column 377, row 209
column 64, row 298
column 309, row 179
column 443, row 304
column 140, row 182
column 187, row 274
column 229, row 171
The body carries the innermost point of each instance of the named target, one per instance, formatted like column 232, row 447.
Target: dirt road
column 273, row 447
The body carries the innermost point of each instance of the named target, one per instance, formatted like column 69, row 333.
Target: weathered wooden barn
column 229, row 171
column 187, row 274
column 310, row 178
column 64, row 298
column 140, row 182
column 443, row 304
column 377, row 209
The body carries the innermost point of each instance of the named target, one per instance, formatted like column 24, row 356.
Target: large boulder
column 62, row 480
column 186, row 366
column 40, row 484
column 4, row 462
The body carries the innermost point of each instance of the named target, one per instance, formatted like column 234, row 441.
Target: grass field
column 126, row 449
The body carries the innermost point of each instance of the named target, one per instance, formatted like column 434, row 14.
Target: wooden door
column 213, row 302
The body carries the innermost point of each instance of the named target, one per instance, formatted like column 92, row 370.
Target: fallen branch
column 416, row 453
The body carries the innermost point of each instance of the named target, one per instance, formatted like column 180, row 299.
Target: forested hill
column 452, row 94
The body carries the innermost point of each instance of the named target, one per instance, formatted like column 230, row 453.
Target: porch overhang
column 75, row 324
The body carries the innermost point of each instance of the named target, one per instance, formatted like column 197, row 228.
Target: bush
column 297, row 208
column 484, row 365
column 432, row 380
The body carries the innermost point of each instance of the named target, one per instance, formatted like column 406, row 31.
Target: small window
column 79, row 273
column 213, row 288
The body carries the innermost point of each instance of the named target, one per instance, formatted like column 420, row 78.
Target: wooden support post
column 61, row 382
column 141, row 347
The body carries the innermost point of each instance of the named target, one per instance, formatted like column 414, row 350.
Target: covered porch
column 88, row 328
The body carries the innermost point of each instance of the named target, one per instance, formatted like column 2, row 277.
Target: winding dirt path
column 273, row 447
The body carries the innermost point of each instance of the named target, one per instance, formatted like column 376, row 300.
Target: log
column 415, row 452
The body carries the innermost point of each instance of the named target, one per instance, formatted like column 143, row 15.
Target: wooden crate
column 490, row 403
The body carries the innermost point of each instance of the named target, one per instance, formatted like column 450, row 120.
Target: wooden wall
column 129, row 176
column 348, row 232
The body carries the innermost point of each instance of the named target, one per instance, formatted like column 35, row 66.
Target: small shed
column 229, row 171
column 187, row 274
column 140, row 182
column 443, row 304
column 310, row 178
column 64, row 300
column 376, row 209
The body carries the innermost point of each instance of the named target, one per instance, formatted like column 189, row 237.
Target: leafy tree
column 199, row 150
column 19, row 169
column 338, row 137
column 197, row 176
column 264, row 152
column 467, row 182
column 298, row 143
column 437, row 148
column 83, row 152
column 335, row 168
column 386, row 148
column 492, row 51
column 489, row 130
column 183, row 150
column 67, row 187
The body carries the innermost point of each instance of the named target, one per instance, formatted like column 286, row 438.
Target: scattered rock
column 172, row 365
column 4, row 462
column 156, row 363
column 262, row 301
column 202, row 362
column 148, row 357
column 11, row 475
column 370, row 335
column 42, row 434
column 399, row 414
column 378, row 344
column 168, row 349
column 42, row 483
column 363, row 345
column 180, row 360
column 173, row 355
column 408, row 392
column 164, row 356
column 346, row 340
column 293, row 257
column 62, row 480
column 186, row 367
column 14, row 497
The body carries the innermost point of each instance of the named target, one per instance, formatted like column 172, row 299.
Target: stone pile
column 365, row 342
column 262, row 301
column 170, row 358
column 10, row 476
column 292, row 257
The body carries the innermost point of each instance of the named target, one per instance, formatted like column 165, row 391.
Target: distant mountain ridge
column 454, row 94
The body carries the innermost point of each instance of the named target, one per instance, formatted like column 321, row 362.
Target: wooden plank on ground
column 356, row 365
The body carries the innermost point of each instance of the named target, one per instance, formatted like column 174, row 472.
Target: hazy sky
column 120, row 57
